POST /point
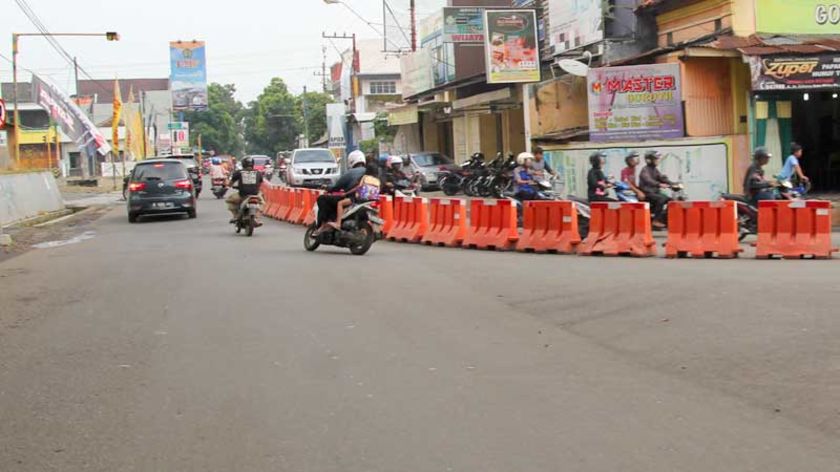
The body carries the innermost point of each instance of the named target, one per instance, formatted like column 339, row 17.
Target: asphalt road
column 175, row 345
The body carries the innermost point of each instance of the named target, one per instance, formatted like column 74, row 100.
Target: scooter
column 219, row 188
column 361, row 226
column 748, row 213
column 247, row 218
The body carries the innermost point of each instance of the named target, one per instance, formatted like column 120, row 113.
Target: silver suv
column 312, row 168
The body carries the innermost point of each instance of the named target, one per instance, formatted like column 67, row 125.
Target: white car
column 312, row 168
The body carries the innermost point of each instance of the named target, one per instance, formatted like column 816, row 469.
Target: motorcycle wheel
column 485, row 188
column 745, row 227
column 469, row 188
column 499, row 187
column 369, row 238
column 583, row 227
column 449, row 187
column 310, row 243
column 250, row 225
column 238, row 228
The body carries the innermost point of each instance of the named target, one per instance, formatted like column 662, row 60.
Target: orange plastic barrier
column 270, row 196
column 386, row 212
column 411, row 219
column 492, row 225
column 309, row 215
column 703, row 229
column 282, row 205
column 549, row 226
column 301, row 203
column 289, row 207
column 447, row 223
column 619, row 229
column 794, row 230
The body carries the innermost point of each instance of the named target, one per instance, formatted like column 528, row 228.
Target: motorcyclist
column 628, row 174
column 393, row 174
column 245, row 183
column 217, row 171
column 328, row 203
column 756, row 186
column 651, row 182
column 596, row 181
column 541, row 166
column 523, row 179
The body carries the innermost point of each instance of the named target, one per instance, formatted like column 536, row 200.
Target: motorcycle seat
column 735, row 197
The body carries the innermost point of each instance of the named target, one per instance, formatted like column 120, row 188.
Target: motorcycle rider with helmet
column 523, row 179
column 756, row 186
column 596, row 181
column 331, row 204
column 651, row 182
column 245, row 183
column 393, row 173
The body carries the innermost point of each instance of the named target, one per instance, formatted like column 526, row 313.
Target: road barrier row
column 800, row 229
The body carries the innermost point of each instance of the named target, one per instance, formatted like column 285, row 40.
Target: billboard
column 511, row 47
column 416, row 70
column 795, row 73
column 797, row 16
column 575, row 23
column 72, row 120
column 188, row 76
column 634, row 103
column 463, row 25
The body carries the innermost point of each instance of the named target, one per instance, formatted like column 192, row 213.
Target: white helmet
column 524, row 156
column 355, row 158
column 394, row 160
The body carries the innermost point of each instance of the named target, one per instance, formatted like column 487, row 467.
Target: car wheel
column 132, row 217
column 192, row 214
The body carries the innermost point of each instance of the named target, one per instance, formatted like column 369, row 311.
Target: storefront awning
column 364, row 117
column 404, row 115
column 762, row 46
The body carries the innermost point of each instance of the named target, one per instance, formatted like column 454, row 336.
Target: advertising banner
column 416, row 72
column 575, row 23
column 795, row 73
column 463, row 25
column 335, row 125
column 69, row 117
column 634, row 103
column 798, row 16
column 188, row 78
column 511, row 46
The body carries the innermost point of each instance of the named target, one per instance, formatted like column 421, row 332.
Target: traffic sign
column 179, row 125
column 2, row 114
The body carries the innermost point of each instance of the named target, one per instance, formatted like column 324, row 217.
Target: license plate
column 163, row 205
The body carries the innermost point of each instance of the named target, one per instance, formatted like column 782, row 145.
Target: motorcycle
column 406, row 186
column 247, row 218
column 748, row 213
column 219, row 188
column 282, row 167
column 545, row 191
column 454, row 181
column 361, row 226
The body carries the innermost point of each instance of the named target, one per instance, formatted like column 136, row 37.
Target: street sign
column 178, row 125
column 2, row 114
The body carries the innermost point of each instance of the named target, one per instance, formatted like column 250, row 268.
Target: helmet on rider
column 630, row 156
column 652, row 156
column 596, row 159
column 355, row 159
column 248, row 163
column 524, row 157
column 761, row 153
column 395, row 162
column 215, row 161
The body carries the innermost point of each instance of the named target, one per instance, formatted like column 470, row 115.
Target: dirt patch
column 24, row 237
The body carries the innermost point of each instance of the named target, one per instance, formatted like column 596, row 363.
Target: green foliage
column 220, row 125
column 384, row 132
column 272, row 121
column 370, row 146
column 316, row 113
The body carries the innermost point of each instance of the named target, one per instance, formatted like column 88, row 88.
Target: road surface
column 174, row 345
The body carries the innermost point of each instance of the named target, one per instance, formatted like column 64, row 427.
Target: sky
column 248, row 41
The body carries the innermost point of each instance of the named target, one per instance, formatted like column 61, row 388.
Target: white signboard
column 575, row 23
column 335, row 124
column 180, row 136
column 702, row 167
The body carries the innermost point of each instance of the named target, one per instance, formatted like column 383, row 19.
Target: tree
column 272, row 120
column 316, row 112
column 220, row 125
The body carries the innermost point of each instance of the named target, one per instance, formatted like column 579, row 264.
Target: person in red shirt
column 628, row 174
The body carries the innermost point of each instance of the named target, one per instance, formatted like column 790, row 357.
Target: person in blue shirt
column 792, row 166
column 523, row 179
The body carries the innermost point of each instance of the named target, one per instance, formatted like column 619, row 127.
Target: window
column 388, row 87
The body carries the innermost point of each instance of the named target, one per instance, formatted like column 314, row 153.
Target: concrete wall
column 27, row 195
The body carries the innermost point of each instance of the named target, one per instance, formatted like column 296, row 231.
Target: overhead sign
column 511, row 46
column 575, row 24
column 634, row 103
column 2, row 114
column 795, row 73
column 188, row 79
column 798, row 16
column 463, row 25
column 72, row 120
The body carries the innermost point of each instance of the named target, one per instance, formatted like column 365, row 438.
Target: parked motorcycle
column 219, row 188
column 247, row 218
column 361, row 226
column 748, row 213
column 453, row 182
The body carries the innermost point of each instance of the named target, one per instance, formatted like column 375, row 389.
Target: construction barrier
column 270, row 196
column 299, row 206
column 619, row 229
column 447, row 223
column 386, row 212
column 795, row 230
column 290, row 201
column 492, row 225
column 411, row 219
column 549, row 226
column 703, row 229
column 309, row 217
column 282, row 205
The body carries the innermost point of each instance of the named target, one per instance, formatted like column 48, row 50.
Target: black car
column 193, row 168
column 160, row 186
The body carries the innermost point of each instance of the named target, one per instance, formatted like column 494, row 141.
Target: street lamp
column 110, row 36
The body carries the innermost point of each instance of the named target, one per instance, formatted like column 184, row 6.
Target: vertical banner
column 335, row 127
column 188, row 77
column 633, row 103
column 574, row 24
column 511, row 46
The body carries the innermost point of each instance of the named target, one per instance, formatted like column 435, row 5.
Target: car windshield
column 313, row 155
column 159, row 171
column 429, row 160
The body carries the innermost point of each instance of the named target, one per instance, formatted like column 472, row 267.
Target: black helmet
column 761, row 152
column 478, row 156
column 652, row 155
column 248, row 163
column 631, row 155
column 595, row 158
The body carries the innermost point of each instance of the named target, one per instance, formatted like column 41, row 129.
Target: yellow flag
column 115, row 120
column 134, row 128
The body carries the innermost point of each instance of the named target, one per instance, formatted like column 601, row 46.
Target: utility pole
column 305, row 120
column 323, row 73
column 76, row 75
column 348, row 128
column 143, row 116
column 413, row 9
